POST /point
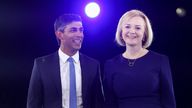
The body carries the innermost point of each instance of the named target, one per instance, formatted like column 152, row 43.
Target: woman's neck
column 134, row 52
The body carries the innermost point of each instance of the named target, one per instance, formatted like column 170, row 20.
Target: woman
column 137, row 78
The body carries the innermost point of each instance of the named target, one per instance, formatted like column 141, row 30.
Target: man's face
column 72, row 36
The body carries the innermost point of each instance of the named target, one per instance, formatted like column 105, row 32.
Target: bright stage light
column 92, row 10
column 181, row 12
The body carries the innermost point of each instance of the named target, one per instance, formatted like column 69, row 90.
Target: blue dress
column 146, row 84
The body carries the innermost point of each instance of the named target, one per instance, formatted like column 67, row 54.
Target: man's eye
column 73, row 30
column 81, row 30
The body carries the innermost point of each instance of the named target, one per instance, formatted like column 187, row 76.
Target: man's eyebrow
column 73, row 28
column 76, row 27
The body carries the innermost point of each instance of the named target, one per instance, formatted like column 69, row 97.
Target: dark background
column 26, row 32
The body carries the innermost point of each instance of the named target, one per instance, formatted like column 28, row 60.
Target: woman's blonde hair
column 148, row 29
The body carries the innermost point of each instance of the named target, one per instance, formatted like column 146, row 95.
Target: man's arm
column 98, row 90
column 35, row 94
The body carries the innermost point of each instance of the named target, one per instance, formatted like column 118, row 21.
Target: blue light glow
column 92, row 10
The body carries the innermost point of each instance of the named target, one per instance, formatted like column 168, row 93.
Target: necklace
column 131, row 62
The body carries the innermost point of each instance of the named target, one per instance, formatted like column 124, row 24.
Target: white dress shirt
column 64, row 73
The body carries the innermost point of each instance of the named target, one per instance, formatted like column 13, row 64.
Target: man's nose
column 80, row 33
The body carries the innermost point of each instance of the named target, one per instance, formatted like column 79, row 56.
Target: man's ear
column 59, row 35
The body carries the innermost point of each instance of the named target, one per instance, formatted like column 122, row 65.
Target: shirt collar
column 63, row 57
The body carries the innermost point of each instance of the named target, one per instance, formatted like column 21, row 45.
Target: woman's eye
column 127, row 26
column 138, row 28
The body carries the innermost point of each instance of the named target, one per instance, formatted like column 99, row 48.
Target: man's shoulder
column 47, row 57
column 87, row 58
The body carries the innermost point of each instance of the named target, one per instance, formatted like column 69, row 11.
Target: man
column 51, row 81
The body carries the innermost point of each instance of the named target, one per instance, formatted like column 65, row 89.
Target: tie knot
column 70, row 59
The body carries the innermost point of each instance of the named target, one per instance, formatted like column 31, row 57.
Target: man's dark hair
column 64, row 20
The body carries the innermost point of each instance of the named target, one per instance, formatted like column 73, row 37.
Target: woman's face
column 133, row 31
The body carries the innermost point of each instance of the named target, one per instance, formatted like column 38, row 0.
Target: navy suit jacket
column 45, row 84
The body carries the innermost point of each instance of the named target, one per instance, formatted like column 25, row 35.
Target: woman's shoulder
column 114, row 58
column 157, row 54
column 113, row 63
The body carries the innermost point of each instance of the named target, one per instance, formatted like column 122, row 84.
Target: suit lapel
column 84, row 76
column 55, row 73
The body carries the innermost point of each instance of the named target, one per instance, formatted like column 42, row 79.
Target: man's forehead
column 75, row 24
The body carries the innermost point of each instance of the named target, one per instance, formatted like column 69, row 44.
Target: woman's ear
column 144, row 38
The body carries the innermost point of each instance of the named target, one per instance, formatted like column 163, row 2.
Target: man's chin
column 76, row 48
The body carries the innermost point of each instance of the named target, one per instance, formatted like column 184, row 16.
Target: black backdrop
column 26, row 32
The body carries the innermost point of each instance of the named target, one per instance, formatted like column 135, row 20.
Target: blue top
column 146, row 84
